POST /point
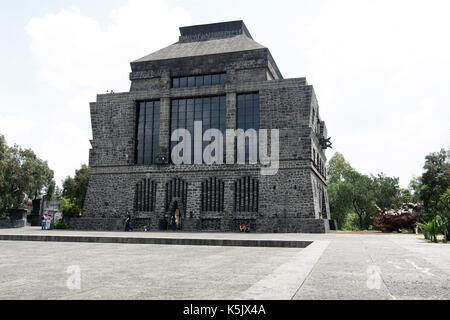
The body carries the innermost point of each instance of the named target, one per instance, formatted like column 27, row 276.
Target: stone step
column 160, row 241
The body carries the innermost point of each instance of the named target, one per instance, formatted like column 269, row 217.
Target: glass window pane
column 215, row 79
column 183, row 82
column 223, row 78
column 210, row 110
column 175, row 82
column 174, row 106
column 206, row 102
column 199, row 81
column 207, row 80
column 190, row 105
column 240, row 114
column 191, row 82
column 215, row 100
column 181, row 106
column 206, row 114
column 249, row 113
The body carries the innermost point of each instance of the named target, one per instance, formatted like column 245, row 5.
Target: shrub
column 434, row 228
column 351, row 222
column 60, row 225
column 69, row 208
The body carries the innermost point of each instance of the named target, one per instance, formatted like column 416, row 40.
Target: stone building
column 217, row 74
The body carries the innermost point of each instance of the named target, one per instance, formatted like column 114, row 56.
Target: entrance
column 176, row 215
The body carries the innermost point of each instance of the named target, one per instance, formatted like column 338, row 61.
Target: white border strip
column 285, row 281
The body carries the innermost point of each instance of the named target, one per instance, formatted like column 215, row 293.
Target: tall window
column 176, row 188
column 213, row 191
column 200, row 80
column 247, row 115
column 210, row 110
column 147, row 133
column 246, row 195
column 145, row 195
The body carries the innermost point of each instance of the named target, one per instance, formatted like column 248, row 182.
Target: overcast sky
column 380, row 69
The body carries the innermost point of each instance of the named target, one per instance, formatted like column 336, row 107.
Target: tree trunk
column 359, row 213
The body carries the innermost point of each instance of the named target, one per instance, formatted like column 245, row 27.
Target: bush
column 69, row 208
column 351, row 222
column 434, row 228
column 60, row 225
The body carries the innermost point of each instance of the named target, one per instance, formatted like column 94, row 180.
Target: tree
column 433, row 183
column 22, row 174
column 339, row 190
column 353, row 193
column 348, row 191
column 362, row 195
column 74, row 190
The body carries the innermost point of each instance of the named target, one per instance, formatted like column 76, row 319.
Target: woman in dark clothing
column 173, row 223
column 128, row 222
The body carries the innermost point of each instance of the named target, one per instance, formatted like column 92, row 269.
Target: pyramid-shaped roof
column 207, row 39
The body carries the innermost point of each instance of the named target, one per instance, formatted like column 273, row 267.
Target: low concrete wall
column 14, row 219
column 209, row 224
column 6, row 223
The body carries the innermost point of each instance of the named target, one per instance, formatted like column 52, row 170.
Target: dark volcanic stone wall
column 288, row 201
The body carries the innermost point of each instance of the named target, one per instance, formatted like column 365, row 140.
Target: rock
column 394, row 220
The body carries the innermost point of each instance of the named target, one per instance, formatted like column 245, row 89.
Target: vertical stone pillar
column 164, row 128
column 231, row 110
column 193, row 206
column 160, row 203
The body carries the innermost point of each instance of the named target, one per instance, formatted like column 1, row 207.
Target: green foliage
column 69, row 207
column 433, row 184
column 74, row 189
column 445, row 201
column 406, row 196
column 350, row 192
column 351, row 222
column 433, row 189
column 60, row 225
column 435, row 227
column 22, row 174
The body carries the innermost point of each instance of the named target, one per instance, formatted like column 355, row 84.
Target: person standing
column 166, row 221
column 44, row 221
column 173, row 223
column 128, row 222
column 48, row 221
column 177, row 218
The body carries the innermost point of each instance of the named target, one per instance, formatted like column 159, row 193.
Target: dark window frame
column 200, row 80
column 205, row 104
column 246, row 105
column 145, row 152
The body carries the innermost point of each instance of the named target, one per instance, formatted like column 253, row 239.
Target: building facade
column 219, row 75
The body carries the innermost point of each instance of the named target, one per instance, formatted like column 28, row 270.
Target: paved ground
column 335, row 266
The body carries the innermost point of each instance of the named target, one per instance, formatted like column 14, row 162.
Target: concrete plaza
column 333, row 266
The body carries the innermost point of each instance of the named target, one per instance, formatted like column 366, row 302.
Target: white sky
column 380, row 69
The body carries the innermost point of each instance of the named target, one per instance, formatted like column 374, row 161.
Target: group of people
column 128, row 226
column 174, row 222
column 46, row 221
column 244, row 228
